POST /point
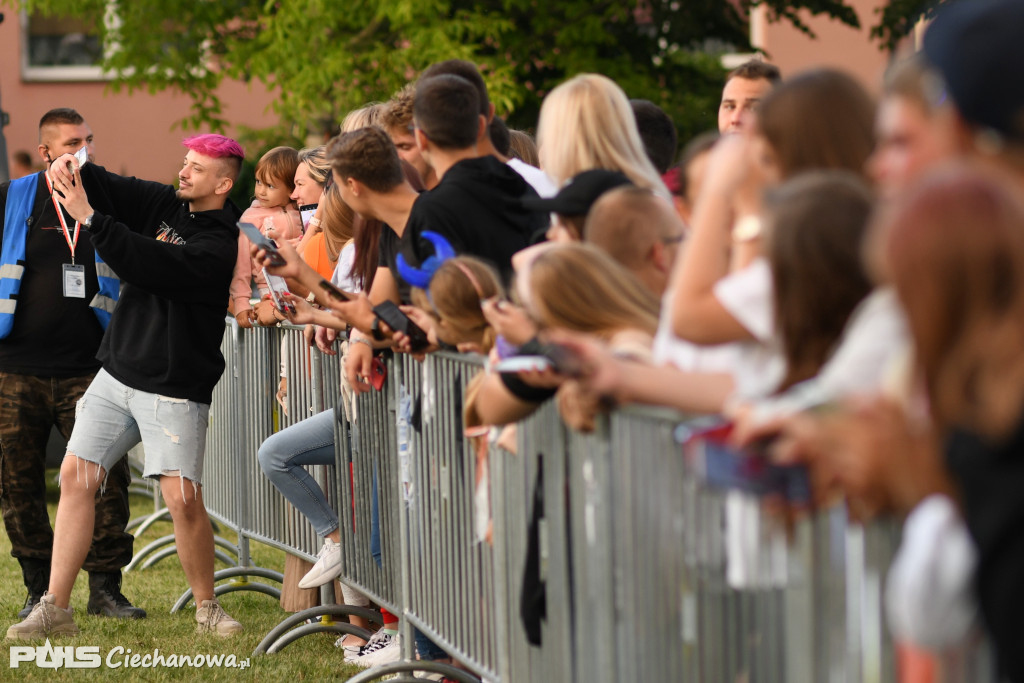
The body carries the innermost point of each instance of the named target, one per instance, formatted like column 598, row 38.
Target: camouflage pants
column 29, row 407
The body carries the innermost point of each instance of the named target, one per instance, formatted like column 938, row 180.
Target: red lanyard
column 72, row 243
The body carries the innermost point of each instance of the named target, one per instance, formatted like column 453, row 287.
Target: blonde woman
column 310, row 181
column 314, row 174
column 574, row 287
column 587, row 122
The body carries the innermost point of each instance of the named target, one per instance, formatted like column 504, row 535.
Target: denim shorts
column 112, row 417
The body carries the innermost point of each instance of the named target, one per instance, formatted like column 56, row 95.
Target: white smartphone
column 278, row 288
column 523, row 364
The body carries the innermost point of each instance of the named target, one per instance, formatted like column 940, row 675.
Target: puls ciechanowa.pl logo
column 47, row 656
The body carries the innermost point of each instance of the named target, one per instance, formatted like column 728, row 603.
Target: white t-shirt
column 929, row 595
column 540, row 181
column 747, row 295
column 875, row 337
column 670, row 349
column 342, row 277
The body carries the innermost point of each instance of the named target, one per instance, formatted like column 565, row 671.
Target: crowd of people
column 836, row 277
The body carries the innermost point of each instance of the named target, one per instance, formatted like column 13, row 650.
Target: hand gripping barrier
column 645, row 573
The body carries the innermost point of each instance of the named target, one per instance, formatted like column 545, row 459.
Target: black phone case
column 400, row 322
column 263, row 241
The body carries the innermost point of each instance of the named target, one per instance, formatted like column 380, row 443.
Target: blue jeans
column 426, row 648
column 111, row 417
column 282, row 456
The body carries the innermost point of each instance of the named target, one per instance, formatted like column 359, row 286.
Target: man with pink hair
column 174, row 252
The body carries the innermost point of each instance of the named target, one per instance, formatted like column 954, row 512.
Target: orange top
column 315, row 254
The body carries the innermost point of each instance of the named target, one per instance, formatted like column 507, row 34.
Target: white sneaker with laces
column 389, row 652
column 327, row 567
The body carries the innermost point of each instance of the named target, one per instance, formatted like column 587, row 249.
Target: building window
column 58, row 48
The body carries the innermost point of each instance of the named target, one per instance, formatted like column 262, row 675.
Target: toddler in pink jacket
column 272, row 208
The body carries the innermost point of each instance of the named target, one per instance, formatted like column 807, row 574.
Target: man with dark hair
column 49, row 336
column 499, row 135
column 476, row 205
column 485, row 145
column 468, row 71
column 368, row 174
column 367, row 157
column 446, row 113
column 658, row 133
column 175, row 253
column 397, row 121
column 745, row 87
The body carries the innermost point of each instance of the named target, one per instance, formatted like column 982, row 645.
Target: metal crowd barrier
column 243, row 413
column 241, row 416
column 451, row 596
column 632, row 549
column 366, row 448
column 632, row 555
column 540, row 464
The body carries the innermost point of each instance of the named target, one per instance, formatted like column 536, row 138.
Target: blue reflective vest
column 20, row 198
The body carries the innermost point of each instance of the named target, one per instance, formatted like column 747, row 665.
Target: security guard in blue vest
column 56, row 297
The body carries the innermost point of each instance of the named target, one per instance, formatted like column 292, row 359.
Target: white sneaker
column 351, row 651
column 386, row 650
column 327, row 567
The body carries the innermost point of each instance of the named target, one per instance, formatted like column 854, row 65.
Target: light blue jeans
column 282, row 457
column 111, row 417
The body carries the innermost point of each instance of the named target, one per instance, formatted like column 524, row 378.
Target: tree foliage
column 898, row 17
column 322, row 58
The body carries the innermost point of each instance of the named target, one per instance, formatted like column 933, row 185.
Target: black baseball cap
column 977, row 46
column 579, row 193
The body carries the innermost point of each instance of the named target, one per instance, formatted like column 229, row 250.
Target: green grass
column 313, row 658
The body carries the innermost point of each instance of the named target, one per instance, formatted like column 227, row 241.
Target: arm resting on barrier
column 697, row 314
column 496, row 405
column 627, row 381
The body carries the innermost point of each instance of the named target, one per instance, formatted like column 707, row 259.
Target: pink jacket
column 287, row 224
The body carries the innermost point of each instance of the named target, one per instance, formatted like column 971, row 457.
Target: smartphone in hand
column 722, row 465
column 378, row 373
column 551, row 357
column 278, row 288
column 335, row 293
column 263, row 242
column 390, row 314
column 306, row 211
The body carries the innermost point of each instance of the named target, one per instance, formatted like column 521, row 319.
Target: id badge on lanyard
column 74, row 281
column 72, row 275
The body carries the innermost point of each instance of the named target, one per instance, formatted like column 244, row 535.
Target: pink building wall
column 836, row 45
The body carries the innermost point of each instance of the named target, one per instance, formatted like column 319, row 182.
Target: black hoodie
column 175, row 268
column 478, row 208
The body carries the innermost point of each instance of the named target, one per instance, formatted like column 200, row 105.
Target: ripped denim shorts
column 112, row 418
